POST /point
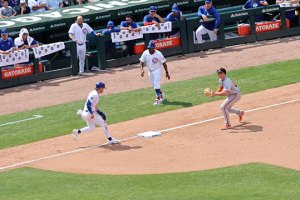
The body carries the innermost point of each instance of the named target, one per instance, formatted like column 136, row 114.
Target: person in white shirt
column 54, row 4
column 154, row 61
column 92, row 115
column 37, row 6
column 78, row 32
column 231, row 90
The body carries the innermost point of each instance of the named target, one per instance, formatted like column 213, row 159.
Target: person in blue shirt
column 255, row 4
column 153, row 18
column 14, row 3
column 6, row 43
column 210, row 21
column 109, row 45
column 175, row 15
column 130, row 25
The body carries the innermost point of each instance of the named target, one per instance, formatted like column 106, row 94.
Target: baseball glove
column 208, row 92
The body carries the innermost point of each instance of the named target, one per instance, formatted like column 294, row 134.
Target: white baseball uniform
column 233, row 97
column 154, row 65
column 91, row 107
column 79, row 33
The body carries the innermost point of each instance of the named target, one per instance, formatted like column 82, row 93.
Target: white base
column 149, row 134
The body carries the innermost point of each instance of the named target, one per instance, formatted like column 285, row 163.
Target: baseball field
column 192, row 159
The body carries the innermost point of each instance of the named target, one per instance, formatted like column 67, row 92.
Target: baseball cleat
column 113, row 141
column 226, row 127
column 75, row 134
column 157, row 101
column 241, row 116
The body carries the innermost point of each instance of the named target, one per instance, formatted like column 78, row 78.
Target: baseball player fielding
column 231, row 90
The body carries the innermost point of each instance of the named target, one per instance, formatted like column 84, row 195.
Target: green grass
column 244, row 182
column 62, row 119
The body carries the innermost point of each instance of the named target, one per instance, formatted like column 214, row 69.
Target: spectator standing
column 130, row 25
column 109, row 45
column 24, row 41
column 78, row 32
column 24, row 9
column 210, row 21
column 255, row 4
column 175, row 15
column 153, row 18
column 7, row 11
column 54, row 4
column 37, row 6
column 6, row 43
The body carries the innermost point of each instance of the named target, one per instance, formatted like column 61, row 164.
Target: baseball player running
column 154, row 60
column 93, row 116
column 78, row 32
column 229, row 89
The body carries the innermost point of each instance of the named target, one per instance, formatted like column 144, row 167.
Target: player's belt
column 80, row 44
column 88, row 111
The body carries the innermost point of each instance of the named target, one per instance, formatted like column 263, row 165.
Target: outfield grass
column 244, row 182
column 62, row 119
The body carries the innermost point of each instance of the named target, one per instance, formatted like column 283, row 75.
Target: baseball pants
column 81, row 52
column 155, row 77
column 201, row 31
column 91, row 123
column 227, row 105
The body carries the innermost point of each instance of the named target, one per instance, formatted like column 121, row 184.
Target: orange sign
column 159, row 44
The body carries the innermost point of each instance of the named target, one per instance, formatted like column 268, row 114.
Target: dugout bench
column 39, row 75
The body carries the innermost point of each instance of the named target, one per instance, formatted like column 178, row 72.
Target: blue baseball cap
column 153, row 8
column 174, row 8
column 4, row 31
column 100, row 85
column 110, row 23
column 151, row 45
column 208, row 1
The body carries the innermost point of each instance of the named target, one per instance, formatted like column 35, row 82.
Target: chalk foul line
column 134, row 137
column 23, row 120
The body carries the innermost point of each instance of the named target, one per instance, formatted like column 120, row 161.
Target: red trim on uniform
column 227, row 105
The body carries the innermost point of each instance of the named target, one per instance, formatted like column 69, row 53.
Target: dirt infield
column 70, row 89
column 268, row 135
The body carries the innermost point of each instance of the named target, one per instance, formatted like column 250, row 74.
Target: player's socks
column 158, row 92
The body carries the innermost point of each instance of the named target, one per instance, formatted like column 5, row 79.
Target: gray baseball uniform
column 233, row 97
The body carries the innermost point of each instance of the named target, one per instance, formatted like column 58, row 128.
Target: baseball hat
column 4, row 31
column 110, row 23
column 221, row 70
column 153, row 8
column 208, row 1
column 174, row 8
column 100, row 85
column 22, row 1
column 151, row 45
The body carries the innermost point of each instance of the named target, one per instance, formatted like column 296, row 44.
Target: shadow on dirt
column 120, row 147
column 246, row 127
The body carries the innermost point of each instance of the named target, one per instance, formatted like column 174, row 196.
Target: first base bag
column 14, row 57
column 163, row 28
column 125, row 35
column 47, row 49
